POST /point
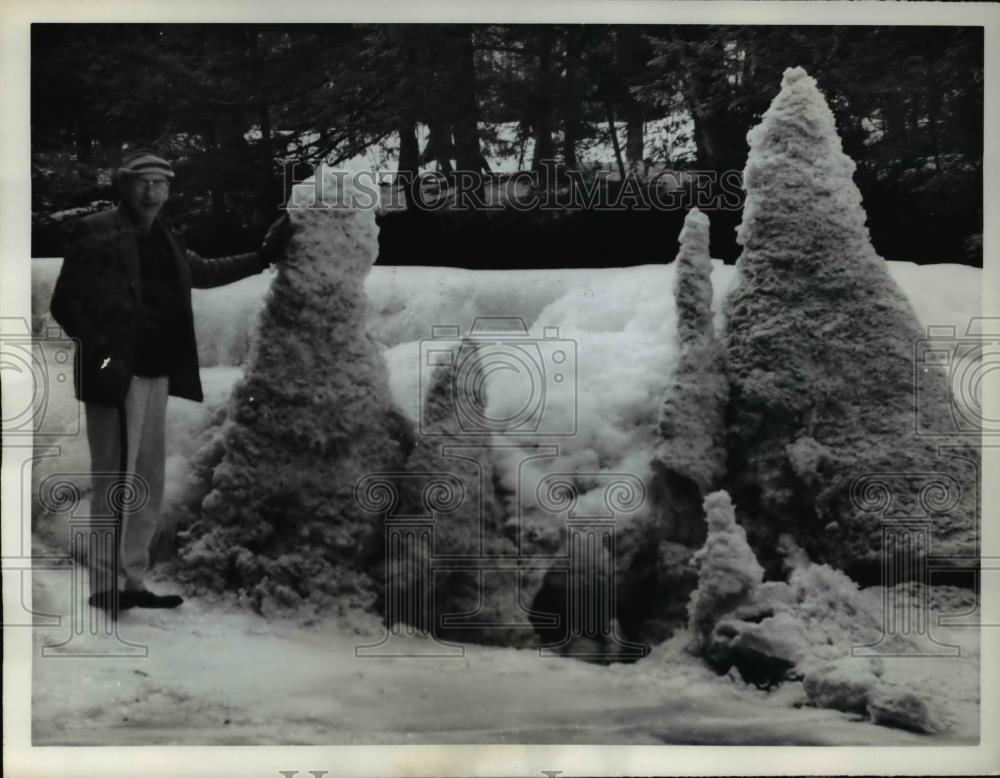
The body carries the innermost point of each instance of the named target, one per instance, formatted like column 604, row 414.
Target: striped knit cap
column 142, row 161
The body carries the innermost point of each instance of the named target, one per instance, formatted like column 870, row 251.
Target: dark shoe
column 105, row 600
column 143, row 598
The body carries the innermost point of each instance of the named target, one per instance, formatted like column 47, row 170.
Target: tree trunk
column 572, row 97
column 718, row 137
column 216, row 185
column 409, row 152
column 438, row 148
column 409, row 146
column 271, row 195
column 634, row 140
column 633, row 50
column 522, row 138
column 542, row 103
column 468, row 155
column 932, row 110
column 610, row 113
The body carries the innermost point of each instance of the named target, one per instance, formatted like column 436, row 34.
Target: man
column 124, row 292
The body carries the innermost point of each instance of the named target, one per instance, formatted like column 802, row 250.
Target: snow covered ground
column 227, row 677
column 217, row 674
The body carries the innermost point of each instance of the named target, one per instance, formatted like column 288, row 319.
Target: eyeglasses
column 159, row 184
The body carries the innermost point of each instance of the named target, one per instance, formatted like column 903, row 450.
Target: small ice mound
column 728, row 572
column 805, row 628
column 844, row 684
column 897, row 707
column 855, row 685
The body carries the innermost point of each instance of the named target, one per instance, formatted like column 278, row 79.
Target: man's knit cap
column 141, row 161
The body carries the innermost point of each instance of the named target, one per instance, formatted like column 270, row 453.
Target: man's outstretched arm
column 207, row 273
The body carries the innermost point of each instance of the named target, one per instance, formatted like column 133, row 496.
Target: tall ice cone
column 311, row 416
column 690, row 456
column 820, row 349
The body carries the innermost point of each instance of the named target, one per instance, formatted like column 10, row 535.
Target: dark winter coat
column 97, row 301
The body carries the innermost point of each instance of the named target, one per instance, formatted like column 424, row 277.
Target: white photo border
column 21, row 759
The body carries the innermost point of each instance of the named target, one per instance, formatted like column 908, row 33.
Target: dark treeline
column 231, row 102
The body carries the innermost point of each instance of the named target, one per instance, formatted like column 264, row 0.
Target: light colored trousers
column 145, row 422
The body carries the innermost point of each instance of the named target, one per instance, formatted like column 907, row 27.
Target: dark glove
column 276, row 239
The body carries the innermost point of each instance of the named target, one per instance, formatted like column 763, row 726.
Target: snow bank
column 612, row 314
column 405, row 302
column 623, row 321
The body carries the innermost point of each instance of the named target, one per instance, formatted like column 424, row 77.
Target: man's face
column 145, row 194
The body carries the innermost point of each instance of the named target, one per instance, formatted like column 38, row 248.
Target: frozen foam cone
column 820, row 346
column 310, row 417
column 690, row 454
column 452, row 480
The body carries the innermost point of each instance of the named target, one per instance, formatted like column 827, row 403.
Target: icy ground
column 231, row 678
column 220, row 675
